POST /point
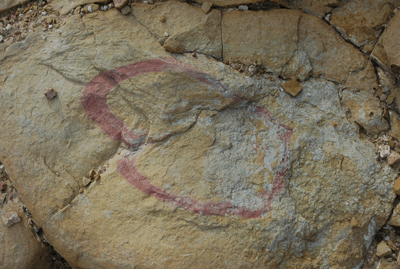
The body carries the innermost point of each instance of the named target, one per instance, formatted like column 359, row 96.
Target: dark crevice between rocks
column 144, row 26
column 54, row 259
column 49, row 257
column 344, row 38
column 386, row 231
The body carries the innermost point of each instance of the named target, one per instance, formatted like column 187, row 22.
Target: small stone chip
column 163, row 19
column 173, row 46
column 384, row 151
column 86, row 181
column 396, row 186
column 392, row 245
column 353, row 223
column 393, row 158
column 383, row 250
column 206, row 6
column 50, row 93
column 120, row 3
column 94, row 7
column 11, row 218
column 292, row 87
column 126, row 10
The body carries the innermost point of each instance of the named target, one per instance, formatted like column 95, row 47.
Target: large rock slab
column 197, row 165
column 194, row 32
column 7, row 4
column 386, row 51
column 289, row 43
column 360, row 21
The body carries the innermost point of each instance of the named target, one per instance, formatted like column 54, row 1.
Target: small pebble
column 166, row 34
column 163, row 19
column 50, row 26
column 50, row 93
column 1, row 38
column 44, row 13
column 8, row 27
column 11, row 218
column 243, row 7
column 126, row 10
column 90, row 9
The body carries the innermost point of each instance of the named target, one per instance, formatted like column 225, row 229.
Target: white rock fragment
column 1, row 40
column 11, row 218
column 327, row 17
column 103, row 8
column 50, row 26
column 166, row 34
column 384, row 151
column 44, row 13
column 243, row 7
column 8, row 27
column 90, row 9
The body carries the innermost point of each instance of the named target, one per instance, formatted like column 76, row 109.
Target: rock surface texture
column 184, row 139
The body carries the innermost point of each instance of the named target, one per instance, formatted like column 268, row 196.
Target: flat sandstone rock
column 197, row 164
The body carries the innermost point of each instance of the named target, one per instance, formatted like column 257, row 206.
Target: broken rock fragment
column 11, row 218
column 387, row 50
column 383, row 249
column 292, row 87
column 50, row 93
column 393, row 158
column 365, row 110
column 120, row 3
column 361, row 21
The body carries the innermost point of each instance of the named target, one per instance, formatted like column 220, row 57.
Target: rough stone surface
column 361, row 21
column 395, row 218
column 353, row 222
column 393, row 158
column 188, row 162
column 66, row 6
column 395, row 124
column 126, row 10
column 288, row 42
column 7, row 4
column 194, row 32
column 396, row 186
column 387, row 50
column 365, row 110
column 19, row 247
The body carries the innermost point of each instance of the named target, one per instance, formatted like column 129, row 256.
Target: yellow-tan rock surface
column 151, row 159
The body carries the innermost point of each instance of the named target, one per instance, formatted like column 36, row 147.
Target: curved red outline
column 94, row 101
